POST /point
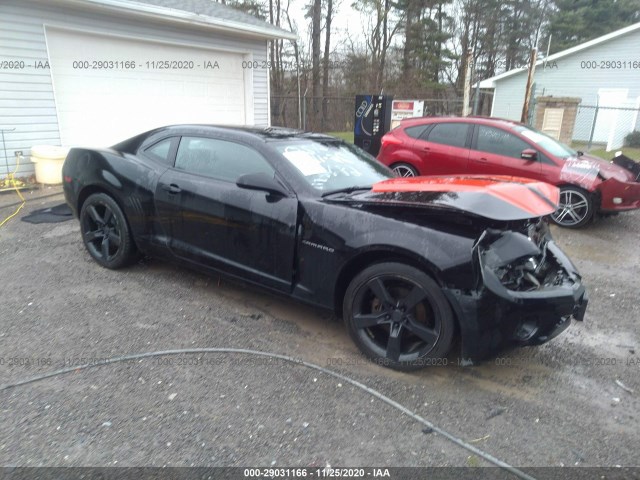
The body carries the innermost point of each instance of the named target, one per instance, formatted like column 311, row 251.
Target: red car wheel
column 404, row 170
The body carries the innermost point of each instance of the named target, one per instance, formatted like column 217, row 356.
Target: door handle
column 426, row 149
column 173, row 188
column 482, row 159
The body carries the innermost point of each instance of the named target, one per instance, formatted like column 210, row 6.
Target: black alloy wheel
column 399, row 317
column 105, row 232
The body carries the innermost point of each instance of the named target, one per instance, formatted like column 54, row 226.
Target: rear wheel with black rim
column 105, row 232
column 398, row 316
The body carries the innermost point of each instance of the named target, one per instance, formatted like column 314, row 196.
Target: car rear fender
column 405, row 155
column 88, row 171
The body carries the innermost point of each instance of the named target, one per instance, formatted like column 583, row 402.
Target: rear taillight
column 68, row 179
column 390, row 139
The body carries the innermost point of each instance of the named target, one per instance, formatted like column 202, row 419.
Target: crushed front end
column 526, row 292
column 621, row 194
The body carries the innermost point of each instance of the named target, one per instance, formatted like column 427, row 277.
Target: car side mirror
column 261, row 181
column 529, row 154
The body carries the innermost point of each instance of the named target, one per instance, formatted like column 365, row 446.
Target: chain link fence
column 336, row 114
column 607, row 127
column 595, row 126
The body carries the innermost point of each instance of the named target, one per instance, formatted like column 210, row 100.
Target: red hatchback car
column 491, row 146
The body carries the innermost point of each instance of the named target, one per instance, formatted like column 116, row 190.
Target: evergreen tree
column 577, row 21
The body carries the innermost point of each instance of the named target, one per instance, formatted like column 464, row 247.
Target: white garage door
column 110, row 88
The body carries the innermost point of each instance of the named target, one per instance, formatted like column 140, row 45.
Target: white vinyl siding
column 568, row 78
column 27, row 101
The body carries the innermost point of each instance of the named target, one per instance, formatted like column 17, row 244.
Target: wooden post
column 527, row 92
column 467, row 84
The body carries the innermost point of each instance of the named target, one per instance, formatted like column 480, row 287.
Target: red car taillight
column 390, row 139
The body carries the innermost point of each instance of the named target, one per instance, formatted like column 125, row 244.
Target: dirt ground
column 554, row 405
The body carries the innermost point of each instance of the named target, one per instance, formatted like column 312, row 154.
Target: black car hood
column 497, row 198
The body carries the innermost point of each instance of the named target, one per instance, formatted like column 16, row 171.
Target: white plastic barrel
column 48, row 161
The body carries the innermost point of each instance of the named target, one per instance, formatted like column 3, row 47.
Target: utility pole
column 544, row 65
column 527, row 92
column 467, row 84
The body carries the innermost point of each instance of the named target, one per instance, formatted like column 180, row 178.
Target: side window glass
column 219, row 159
column 160, row 151
column 452, row 134
column 499, row 142
column 416, row 131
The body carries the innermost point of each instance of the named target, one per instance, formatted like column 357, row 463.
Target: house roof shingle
column 204, row 12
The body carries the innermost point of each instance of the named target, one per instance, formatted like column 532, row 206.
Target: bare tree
column 325, row 65
column 380, row 31
column 316, row 16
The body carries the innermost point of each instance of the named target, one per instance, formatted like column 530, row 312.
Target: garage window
column 219, row 159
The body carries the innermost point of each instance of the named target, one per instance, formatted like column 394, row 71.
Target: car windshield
column 333, row 165
column 546, row 142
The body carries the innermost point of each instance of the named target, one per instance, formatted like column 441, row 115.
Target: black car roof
column 264, row 133
column 234, row 132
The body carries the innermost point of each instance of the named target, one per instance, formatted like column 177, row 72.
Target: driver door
column 497, row 152
column 248, row 233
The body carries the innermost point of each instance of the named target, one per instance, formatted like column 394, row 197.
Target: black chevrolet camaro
column 411, row 265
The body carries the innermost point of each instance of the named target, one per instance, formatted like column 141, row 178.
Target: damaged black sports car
column 410, row 264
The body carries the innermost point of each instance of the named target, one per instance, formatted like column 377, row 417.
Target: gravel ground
column 554, row 405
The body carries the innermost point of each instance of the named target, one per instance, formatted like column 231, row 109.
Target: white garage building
column 94, row 72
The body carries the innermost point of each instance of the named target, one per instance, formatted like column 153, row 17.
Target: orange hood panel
column 531, row 196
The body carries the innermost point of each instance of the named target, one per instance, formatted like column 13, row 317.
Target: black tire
column 105, row 232
column 394, row 297
column 576, row 208
column 404, row 170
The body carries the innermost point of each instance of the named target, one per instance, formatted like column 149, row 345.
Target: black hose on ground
column 461, row 443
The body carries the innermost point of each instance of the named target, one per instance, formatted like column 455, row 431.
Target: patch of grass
column 631, row 152
column 346, row 136
column 599, row 151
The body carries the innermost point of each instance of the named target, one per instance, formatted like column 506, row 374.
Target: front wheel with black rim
column 398, row 316
column 105, row 232
column 575, row 208
column 404, row 170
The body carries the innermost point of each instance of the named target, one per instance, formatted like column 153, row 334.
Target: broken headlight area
column 628, row 164
column 520, row 263
column 517, row 270
column 527, row 291
column 528, row 274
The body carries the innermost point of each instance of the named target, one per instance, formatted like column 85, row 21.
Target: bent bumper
column 620, row 196
column 494, row 318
